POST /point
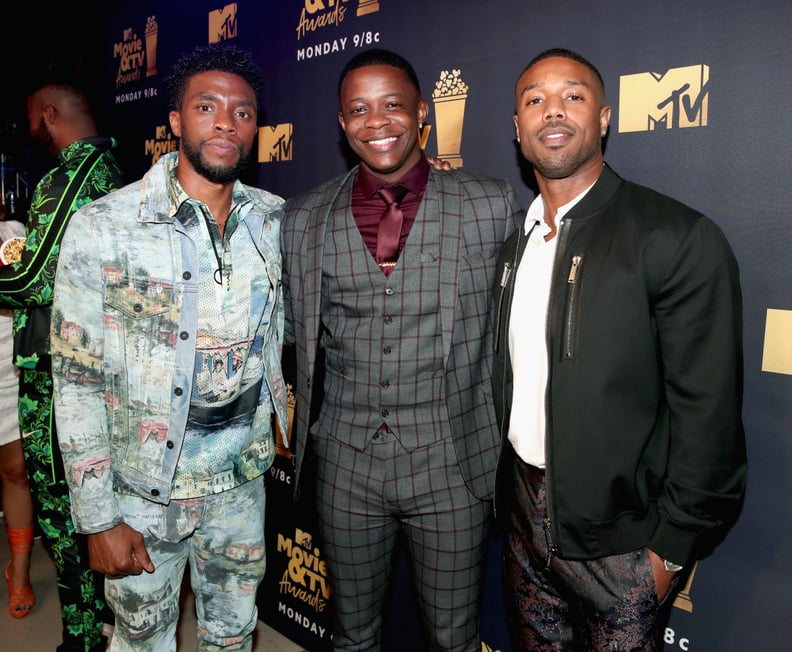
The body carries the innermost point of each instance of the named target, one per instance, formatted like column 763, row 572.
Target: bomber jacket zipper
column 552, row 548
column 502, row 315
column 506, row 293
column 502, row 320
column 549, row 524
column 504, row 282
column 570, row 316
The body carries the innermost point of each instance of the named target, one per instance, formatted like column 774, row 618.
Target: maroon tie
column 390, row 226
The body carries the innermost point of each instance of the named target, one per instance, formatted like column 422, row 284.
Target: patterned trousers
column 608, row 603
column 222, row 538
column 80, row 590
column 364, row 499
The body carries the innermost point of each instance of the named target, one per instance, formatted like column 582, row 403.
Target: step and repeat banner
column 701, row 106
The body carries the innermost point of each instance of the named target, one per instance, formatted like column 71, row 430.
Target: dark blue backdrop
column 723, row 146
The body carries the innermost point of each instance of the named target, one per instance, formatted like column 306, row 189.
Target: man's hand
column 438, row 163
column 662, row 577
column 118, row 551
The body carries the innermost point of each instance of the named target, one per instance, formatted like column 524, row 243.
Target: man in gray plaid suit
column 401, row 429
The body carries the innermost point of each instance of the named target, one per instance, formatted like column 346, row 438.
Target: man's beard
column 215, row 174
column 564, row 165
column 43, row 136
column 557, row 167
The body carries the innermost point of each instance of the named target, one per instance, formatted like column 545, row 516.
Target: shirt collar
column 79, row 149
column 240, row 199
column 414, row 179
column 536, row 211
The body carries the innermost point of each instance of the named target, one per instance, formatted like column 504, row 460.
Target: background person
column 618, row 383
column 153, row 284
column 405, row 438
column 16, row 501
column 60, row 118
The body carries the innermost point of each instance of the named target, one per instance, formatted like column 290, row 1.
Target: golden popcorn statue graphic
column 151, row 46
column 367, row 7
column 449, row 98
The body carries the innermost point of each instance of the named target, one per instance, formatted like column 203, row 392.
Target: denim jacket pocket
column 140, row 298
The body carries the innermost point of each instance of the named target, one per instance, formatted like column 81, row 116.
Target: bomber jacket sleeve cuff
column 674, row 543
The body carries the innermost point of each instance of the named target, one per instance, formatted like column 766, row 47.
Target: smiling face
column 216, row 124
column 561, row 118
column 381, row 112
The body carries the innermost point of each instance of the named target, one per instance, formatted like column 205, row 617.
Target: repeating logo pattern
column 223, row 23
column 275, row 143
column 449, row 98
column 673, row 100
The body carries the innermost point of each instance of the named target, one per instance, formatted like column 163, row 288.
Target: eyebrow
column 568, row 83
column 208, row 95
column 366, row 98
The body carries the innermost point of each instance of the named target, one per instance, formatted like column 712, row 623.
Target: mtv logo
column 423, row 135
column 303, row 539
column 275, row 143
column 223, row 23
column 674, row 100
column 777, row 353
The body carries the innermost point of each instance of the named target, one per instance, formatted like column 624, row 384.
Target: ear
column 174, row 117
column 50, row 114
column 423, row 111
column 605, row 114
column 516, row 128
column 341, row 121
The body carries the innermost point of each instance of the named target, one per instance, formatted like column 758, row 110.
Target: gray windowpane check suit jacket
column 478, row 214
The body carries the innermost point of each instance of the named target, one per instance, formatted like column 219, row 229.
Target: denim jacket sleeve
column 79, row 378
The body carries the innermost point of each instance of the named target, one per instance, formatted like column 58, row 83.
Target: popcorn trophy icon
column 151, row 46
column 449, row 98
column 367, row 7
column 684, row 599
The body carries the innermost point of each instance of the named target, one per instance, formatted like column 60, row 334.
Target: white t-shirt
column 528, row 333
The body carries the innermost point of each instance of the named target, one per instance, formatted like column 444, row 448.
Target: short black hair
column 56, row 80
column 566, row 54
column 379, row 57
column 67, row 86
column 206, row 58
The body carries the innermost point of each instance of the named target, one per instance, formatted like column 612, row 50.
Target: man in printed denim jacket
column 166, row 335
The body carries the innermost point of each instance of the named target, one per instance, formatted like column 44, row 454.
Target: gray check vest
column 383, row 345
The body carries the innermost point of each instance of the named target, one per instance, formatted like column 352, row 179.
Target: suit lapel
column 338, row 197
column 449, row 203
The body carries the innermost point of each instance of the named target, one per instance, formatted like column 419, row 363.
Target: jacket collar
column 162, row 195
column 598, row 197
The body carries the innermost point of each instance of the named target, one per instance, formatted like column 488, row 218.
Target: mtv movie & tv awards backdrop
column 701, row 105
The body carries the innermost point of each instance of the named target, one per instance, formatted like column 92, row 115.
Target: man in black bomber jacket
column 624, row 454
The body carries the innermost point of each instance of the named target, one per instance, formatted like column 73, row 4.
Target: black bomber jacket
column 644, row 442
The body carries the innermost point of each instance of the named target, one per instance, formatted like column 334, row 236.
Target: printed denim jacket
column 123, row 343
